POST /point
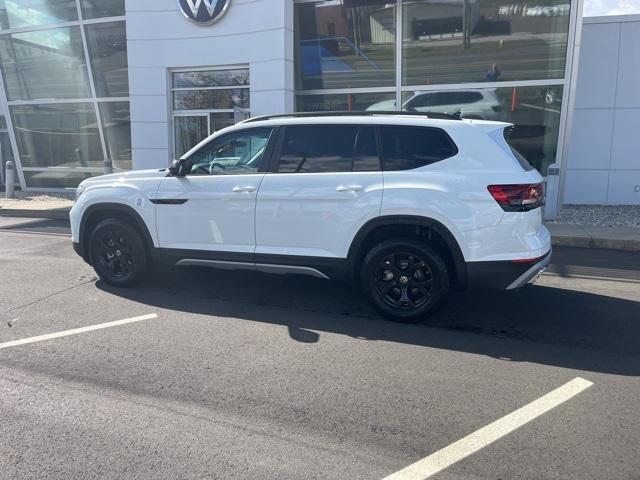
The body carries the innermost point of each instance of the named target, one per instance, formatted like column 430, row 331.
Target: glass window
column 220, row 97
column 211, row 99
column 236, row 153
column 329, row 148
column 535, row 111
column 366, row 156
column 56, row 178
column 107, row 43
column 116, row 124
column 44, row 64
column 102, row 8
column 188, row 132
column 218, row 121
column 58, row 135
column 6, row 153
column 345, row 44
column 483, row 40
column 31, row 13
column 346, row 102
column 211, row 78
column 406, row 148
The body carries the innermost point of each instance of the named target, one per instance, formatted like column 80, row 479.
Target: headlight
column 80, row 191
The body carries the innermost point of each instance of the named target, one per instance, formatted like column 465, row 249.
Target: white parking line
column 479, row 439
column 76, row 331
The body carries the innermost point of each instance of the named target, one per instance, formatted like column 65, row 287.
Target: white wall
column 604, row 150
column 258, row 33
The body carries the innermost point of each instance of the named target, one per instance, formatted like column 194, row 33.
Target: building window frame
column 568, row 84
column 93, row 99
column 238, row 113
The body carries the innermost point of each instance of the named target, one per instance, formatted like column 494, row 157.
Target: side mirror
column 176, row 168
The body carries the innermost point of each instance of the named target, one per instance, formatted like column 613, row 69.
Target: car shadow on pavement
column 537, row 324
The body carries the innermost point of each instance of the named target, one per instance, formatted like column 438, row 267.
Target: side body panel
column 218, row 214
column 315, row 214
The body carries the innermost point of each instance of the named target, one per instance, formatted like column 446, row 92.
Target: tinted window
column 406, row 148
column 328, row 148
column 236, row 153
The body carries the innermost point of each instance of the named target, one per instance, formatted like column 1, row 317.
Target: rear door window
column 329, row 148
column 406, row 148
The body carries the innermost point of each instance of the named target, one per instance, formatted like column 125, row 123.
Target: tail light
column 518, row 198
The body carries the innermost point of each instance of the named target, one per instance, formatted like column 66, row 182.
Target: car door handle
column 248, row 188
column 350, row 188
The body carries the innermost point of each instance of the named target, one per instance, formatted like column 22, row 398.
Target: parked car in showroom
column 411, row 206
column 474, row 104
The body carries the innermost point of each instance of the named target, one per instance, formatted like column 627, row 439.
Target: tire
column 405, row 280
column 117, row 253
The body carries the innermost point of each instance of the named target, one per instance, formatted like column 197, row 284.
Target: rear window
column 406, row 148
column 502, row 138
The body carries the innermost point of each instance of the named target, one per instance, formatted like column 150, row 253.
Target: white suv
column 410, row 205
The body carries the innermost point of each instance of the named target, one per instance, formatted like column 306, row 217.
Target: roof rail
column 433, row 115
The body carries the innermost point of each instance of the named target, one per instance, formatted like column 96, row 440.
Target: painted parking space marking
column 76, row 331
column 479, row 439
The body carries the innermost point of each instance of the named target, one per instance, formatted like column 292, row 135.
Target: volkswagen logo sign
column 204, row 12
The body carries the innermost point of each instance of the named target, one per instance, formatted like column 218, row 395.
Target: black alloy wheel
column 405, row 279
column 117, row 253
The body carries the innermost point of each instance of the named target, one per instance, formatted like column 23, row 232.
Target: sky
column 610, row 7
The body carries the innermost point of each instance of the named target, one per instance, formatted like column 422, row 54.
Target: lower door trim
column 263, row 267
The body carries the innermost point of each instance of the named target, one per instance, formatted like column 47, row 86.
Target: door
column 212, row 208
column 326, row 184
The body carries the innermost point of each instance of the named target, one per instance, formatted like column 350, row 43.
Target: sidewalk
column 563, row 234
column 42, row 207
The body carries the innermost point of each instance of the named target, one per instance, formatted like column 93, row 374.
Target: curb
column 627, row 245
column 53, row 214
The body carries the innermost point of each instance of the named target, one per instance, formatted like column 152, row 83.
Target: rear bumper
column 505, row 275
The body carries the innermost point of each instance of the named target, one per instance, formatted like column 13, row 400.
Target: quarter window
column 329, row 148
column 237, row 153
column 406, row 148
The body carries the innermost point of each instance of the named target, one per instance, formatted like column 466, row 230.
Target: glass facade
column 66, row 85
column 205, row 101
column 480, row 59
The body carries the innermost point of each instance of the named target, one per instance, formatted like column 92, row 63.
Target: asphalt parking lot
column 240, row 375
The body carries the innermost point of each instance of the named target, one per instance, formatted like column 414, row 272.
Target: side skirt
column 318, row 267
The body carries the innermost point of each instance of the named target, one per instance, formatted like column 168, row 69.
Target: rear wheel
column 117, row 253
column 405, row 280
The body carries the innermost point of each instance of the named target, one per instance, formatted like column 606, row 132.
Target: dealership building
column 139, row 82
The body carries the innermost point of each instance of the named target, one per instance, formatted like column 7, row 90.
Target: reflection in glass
column 211, row 99
column 344, row 44
column 479, row 104
column 483, row 40
column 58, row 135
column 102, row 8
column 116, row 124
column 346, row 102
column 221, row 120
column 188, row 132
column 44, row 64
column 107, row 44
column 211, row 78
column 6, row 153
column 535, row 112
column 30, row 13
column 56, row 178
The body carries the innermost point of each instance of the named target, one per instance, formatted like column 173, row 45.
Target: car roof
column 370, row 118
column 449, row 123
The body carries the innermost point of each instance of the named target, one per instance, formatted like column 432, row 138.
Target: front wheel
column 405, row 280
column 117, row 253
